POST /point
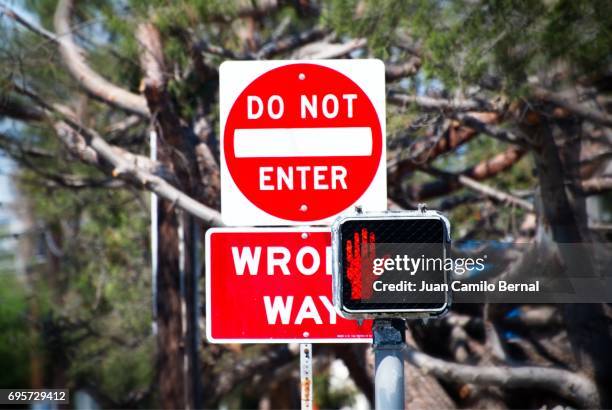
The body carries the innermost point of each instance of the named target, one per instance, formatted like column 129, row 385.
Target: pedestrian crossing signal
column 386, row 264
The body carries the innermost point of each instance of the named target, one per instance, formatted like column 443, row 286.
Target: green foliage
column 117, row 371
column 99, row 298
column 16, row 338
column 463, row 40
column 375, row 19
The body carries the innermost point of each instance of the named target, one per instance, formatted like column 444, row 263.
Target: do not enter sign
column 301, row 141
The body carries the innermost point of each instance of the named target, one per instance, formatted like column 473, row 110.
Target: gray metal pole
column 389, row 340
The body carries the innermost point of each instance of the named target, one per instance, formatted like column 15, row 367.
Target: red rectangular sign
column 274, row 285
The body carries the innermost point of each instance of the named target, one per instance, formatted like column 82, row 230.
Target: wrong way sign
column 273, row 285
column 301, row 141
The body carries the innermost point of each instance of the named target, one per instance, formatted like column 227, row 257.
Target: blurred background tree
column 498, row 114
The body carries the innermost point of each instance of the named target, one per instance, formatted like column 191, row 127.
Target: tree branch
column 479, row 172
column 289, row 43
column 249, row 8
column 482, row 189
column 208, row 168
column 25, row 23
column 577, row 108
column 203, row 46
column 566, row 384
column 91, row 148
column 495, row 194
column 155, row 82
column 15, row 149
column 429, row 148
column 91, row 81
column 196, row 159
column 452, row 202
column 69, row 181
column 26, row 155
column 439, row 104
column 535, row 317
column 325, row 50
column 491, row 130
column 123, row 125
column 13, row 108
column 132, row 171
column 396, row 71
column 595, row 186
column 194, row 147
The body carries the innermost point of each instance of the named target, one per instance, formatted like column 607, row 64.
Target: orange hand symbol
column 360, row 252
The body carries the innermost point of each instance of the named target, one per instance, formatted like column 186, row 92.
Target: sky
column 7, row 190
column 10, row 223
column 7, row 166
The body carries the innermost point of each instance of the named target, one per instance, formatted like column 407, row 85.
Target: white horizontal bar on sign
column 302, row 142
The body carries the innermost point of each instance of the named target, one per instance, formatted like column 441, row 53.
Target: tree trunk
column 178, row 364
column 170, row 337
column 587, row 325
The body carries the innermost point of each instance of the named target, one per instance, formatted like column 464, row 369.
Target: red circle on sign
column 271, row 159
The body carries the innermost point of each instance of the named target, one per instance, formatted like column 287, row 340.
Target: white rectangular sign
column 303, row 142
